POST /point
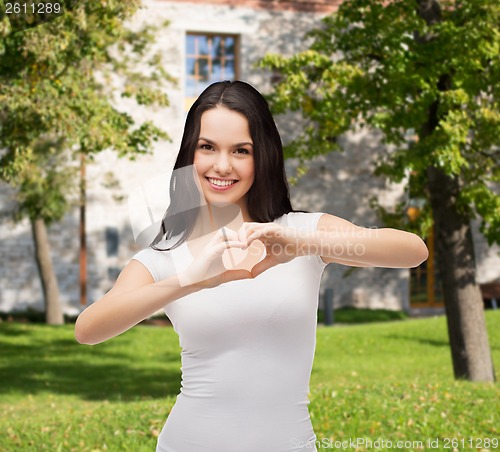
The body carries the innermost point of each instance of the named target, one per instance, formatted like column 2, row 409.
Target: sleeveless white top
column 247, row 354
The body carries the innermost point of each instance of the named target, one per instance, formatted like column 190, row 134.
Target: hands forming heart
column 281, row 244
column 231, row 255
column 242, row 258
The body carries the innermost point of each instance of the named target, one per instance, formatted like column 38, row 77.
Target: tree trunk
column 467, row 332
column 53, row 310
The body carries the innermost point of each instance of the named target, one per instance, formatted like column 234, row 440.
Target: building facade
column 208, row 41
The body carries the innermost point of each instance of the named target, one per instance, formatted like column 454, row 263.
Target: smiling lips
column 221, row 184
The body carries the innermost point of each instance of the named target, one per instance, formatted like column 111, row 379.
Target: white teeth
column 222, row 183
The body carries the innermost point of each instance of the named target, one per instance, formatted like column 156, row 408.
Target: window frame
column 189, row 100
column 433, row 300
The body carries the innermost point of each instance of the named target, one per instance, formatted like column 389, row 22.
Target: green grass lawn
column 361, row 315
column 388, row 381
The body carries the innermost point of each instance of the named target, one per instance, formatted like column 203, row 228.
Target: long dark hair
column 268, row 197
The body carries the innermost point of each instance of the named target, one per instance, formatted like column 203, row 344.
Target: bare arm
column 330, row 260
column 338, row 240
column 134, row 297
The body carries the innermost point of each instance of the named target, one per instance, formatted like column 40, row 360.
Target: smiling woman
column 225, row 162
column 239, row 278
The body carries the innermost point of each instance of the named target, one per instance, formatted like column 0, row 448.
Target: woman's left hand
column 282, row 243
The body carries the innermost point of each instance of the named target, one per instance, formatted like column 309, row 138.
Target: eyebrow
column 235, row 145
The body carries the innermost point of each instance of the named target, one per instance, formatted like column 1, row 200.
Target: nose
column 222, row 165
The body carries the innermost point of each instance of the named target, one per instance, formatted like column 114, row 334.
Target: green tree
column 415, row 67
column 57, row 104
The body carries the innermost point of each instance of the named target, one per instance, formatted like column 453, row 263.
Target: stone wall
column 340, row 183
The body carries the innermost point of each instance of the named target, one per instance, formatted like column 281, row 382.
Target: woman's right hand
column 207, row 269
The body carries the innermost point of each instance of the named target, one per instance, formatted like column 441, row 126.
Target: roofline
column 310, row 6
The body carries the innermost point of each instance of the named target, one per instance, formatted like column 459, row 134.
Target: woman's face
column 224, row 157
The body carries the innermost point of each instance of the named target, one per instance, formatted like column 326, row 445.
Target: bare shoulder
column 134, row 275
column 332, row 223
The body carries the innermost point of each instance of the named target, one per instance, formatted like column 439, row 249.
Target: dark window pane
column 112, row 240
column 113, row 273
column 216, row 68
column 190, row 50
column 229, row 46
column 216, row 47
column 190, row 66
column 203, row 71
column 202, row 45
column 229, row 69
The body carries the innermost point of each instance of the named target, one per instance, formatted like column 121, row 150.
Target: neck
column 212, row 217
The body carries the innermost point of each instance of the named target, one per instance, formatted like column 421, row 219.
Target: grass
column 341, row 315
column 359, row 315
column 390, row 381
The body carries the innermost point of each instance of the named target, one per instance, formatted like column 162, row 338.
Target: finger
column 235, row 275
column 216, row 238
column 247, row 228
column 254, row 236
column 219, row 248
column 255, row 231
column 242, row 232
column 265, row 264
column 265, row 235
column 216, row 250
column 228, row 235
column 223, row 235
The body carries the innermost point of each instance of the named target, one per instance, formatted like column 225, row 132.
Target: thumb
column 265, row 264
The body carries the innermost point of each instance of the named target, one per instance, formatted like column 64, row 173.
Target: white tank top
column 247, row 354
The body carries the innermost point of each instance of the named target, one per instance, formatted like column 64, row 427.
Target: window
column 209, row 58
column 425, row 284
